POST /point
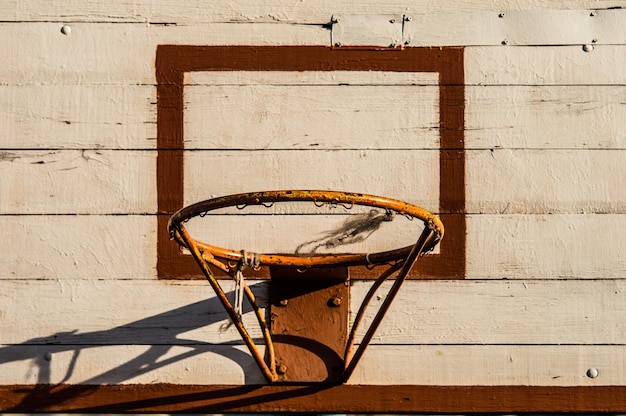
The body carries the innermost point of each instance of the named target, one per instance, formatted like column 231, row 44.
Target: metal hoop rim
column 316, row 196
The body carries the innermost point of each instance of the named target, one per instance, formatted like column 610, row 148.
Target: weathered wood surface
column 124, row 117
column 465, row 333
column 511, row 246
column 470, row 365
column 486, row 312
column 543, row 301
column 257, row 10
column 523, row 181
column 57, row 59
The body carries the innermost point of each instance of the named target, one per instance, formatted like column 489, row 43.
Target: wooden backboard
column 507, row 122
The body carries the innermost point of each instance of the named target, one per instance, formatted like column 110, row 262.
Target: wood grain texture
column 383, row 365
column 500, row 181
column 543, row 297
column 562, row 65
column 124, row 117
column 56, row 59
column 558, row 246
column 256, row 10
column 542, row 312
column 78, row 59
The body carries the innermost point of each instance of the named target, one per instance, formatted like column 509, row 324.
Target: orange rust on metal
column 313, row 353
column 214, row 253
column 268, row 370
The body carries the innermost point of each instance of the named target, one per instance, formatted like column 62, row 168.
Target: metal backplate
column 309, row 322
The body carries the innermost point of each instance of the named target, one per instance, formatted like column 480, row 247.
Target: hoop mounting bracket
column 309, row 322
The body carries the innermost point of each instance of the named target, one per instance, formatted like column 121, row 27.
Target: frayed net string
column 251, row 260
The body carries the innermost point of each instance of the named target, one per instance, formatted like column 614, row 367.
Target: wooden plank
column 94, row 116
column 516, row 28
column 53, row 117
column 557, row 246
column 562, row 65
column 317, row 78
column 490, row 365
column 545, row 181
column 87, row 312
column 75, row 246
column 127, row 364
column 384, row 365
column 498, row 181
column 530, row 312
column 255, row 10
column 545, row 246
column 540, row 312
column 243, row 117
column 403, row 174
column 78, row 182
column 317, row 398
column 57, row 59
column 545, row 116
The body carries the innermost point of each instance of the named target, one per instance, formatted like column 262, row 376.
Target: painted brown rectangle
column 173, row 61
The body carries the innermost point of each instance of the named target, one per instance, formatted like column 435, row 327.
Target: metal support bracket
column 309, row 323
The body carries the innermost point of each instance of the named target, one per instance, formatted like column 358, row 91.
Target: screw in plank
column 66, row 30
column 281, row 369
column 593, row 373
column 284, row 302
column 335, row 301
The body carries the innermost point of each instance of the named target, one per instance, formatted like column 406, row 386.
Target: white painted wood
column 545, row 246
column 90, row 54
column 77, row 182
column 498, row 181
column 562, row 65
column 422, row 365
column 259, row 11
column 357, row 117
column 127, row 364
column 76, row 246
column 399, row 116
column 401, row 174
column 382, row 30
column 526, row 312
column 382, row 365
column 515, row 28
column 57, row 59
column 577, row 246
column 545, row 181
column 547, row 117
column 492, row 365
column 99, row 116
column 128, row 312
column 317, row 78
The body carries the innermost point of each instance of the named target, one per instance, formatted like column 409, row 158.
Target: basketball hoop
column 232, row 262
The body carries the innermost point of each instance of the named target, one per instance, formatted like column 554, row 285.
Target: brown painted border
column 173, row 61
column 170, row 398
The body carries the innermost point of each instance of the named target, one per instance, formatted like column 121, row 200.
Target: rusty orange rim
column 220, row 256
